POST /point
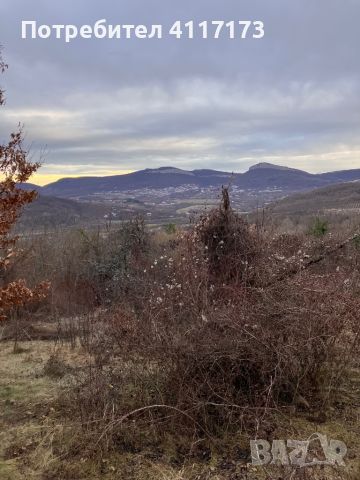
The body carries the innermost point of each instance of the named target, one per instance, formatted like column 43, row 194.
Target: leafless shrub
column 56, row 367
column 88, row 269
column 230, row 246
column 209, row 348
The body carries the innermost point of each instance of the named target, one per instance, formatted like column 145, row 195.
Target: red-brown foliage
column 15, row 169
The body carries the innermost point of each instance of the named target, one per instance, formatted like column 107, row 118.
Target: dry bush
column 56, row 366
column 229, row 244
column 87, row 268
column 208, row 348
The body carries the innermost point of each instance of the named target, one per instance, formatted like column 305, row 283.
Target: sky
column 110, row 106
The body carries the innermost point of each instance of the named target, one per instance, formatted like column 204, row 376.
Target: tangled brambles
column 209, row 344
column 230, row 247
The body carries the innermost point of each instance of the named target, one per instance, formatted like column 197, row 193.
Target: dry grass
column 37, row 440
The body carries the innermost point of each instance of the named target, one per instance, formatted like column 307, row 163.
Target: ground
column 33, row 427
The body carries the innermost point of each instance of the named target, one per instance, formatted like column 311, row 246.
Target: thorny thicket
column 229, row 324
column 88, row 269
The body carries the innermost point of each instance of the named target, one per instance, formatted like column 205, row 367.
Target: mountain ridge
column 259, row 177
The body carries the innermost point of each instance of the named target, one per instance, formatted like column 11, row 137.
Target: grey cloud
column 292, row 97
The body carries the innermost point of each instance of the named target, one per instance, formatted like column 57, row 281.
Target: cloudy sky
column 98, row 107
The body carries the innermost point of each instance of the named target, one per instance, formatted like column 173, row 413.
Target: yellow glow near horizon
column 42, row 179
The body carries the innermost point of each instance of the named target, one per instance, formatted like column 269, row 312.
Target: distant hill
column 259, row 177
column 341, row 176
column 53, row 212
column 30, row 186
column 343, row 197
column 266, row 166
column 150, row 178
